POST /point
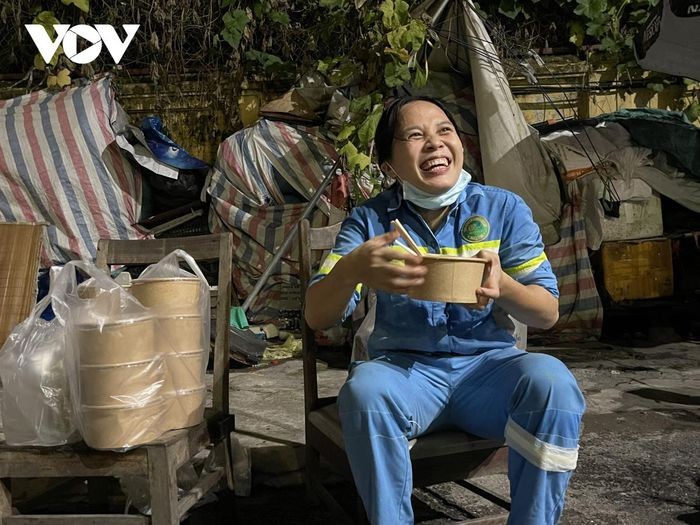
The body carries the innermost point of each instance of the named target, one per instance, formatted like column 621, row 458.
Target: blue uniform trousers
column 531, row 399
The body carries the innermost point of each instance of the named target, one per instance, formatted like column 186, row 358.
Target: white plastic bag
column 115, row 365
column 181, row 302
column 36, row 408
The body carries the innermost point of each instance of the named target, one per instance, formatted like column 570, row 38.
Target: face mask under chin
column 430, row 201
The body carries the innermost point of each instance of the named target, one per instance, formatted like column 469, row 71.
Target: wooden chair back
column 310, row 240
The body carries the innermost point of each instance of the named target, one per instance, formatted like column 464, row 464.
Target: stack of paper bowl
column 176, row 302
column 121, row 375
column 450, row 279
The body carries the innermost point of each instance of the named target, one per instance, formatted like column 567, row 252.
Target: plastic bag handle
column 186, row 257
column 66, row 285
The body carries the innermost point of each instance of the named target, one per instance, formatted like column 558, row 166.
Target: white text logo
column 98, row 35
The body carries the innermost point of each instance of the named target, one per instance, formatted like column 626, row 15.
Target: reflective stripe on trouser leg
column 537, row 393
column 542, row 433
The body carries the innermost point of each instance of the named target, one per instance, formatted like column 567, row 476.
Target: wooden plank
column 485, row 493
column 204, row 485
column 220, row 386
column 323, row 238
column 184, row 443
column 201, row 247
column 499, row 519
column 77, row 519
column 60, row 463
column 162, row 482
column 19, row 267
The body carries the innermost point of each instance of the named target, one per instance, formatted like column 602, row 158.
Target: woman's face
column 426, row 151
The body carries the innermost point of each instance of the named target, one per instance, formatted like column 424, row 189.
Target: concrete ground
column 638, row 464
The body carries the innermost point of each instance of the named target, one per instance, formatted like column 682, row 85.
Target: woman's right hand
column 374, row 263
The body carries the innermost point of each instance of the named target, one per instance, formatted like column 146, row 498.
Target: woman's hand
column 490, row 288
column 530, row 304
column 374, row 263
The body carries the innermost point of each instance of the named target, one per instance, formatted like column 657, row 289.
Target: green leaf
column 693, row 111
column 401, row 11
column 225, row 3
column 83, row 5
column 279, row 17
column 608, row 44
column 509, row 8
column 396, row 75
column 348, row 150
column 658, row 87
column 420, row 78
column 234, row 24
column 389, row 19
column 415, row 34
column 396, row 39
column 332, row 4
column 47, row 19
column 358, row 161
column 366, row 131
column 595, row 29
column 361, row 104
column 577, row 33
column 591, row 9
column 345, row 133
column 265, row 59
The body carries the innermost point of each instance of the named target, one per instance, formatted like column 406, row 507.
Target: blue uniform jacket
column 483, row 218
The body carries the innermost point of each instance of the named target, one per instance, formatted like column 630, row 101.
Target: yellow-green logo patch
column 476, row 229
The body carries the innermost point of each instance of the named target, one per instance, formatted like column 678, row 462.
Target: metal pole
column 290, row 237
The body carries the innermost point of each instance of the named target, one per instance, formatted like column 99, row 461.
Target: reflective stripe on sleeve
column 541, row 454
column 470, row 250
column 526, row 267
column 327, row 265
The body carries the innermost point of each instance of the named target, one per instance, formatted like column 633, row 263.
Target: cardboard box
column 19, row 270
column 638, row 220
column 637, row 269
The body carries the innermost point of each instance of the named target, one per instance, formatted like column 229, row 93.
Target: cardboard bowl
column 181, row 333
column 450, row 279
column 168, row 296
column 186, row 408
column 185, row 370
column 130, row 383
column 116, row 342
column 121, row 426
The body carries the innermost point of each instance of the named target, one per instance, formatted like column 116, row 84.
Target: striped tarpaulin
column 580, row 307
column 261, row 182
column 60, row 164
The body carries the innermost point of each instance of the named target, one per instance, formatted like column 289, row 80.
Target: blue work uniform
column 435, row 365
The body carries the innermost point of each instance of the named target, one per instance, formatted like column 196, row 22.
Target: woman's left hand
column 490, row 288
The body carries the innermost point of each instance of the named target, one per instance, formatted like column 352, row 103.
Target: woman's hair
column 384, row 136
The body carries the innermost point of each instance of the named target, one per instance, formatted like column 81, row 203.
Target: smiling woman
column 436, row 364
column 426, row 152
